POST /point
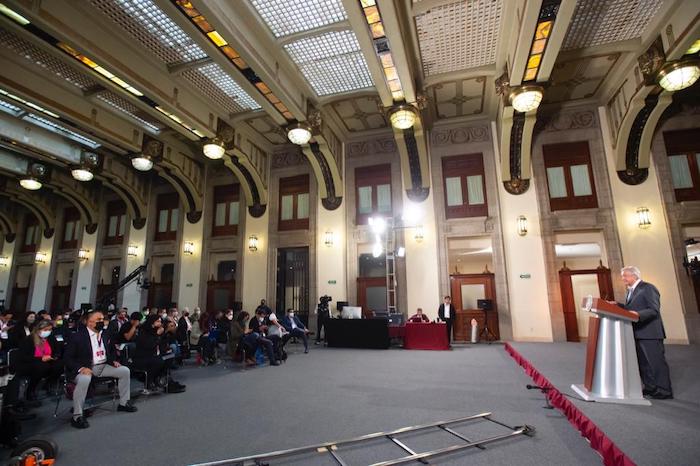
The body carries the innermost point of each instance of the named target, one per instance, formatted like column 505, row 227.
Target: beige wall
column 39, row 292
column 84, row 272
column 254, row 264
column 649, row 249
column 190, row 265
column 331, row 271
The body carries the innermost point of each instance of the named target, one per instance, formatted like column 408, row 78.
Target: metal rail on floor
column 332, row 447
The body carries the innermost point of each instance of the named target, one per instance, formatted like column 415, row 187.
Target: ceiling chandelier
column 214, row 148
column 299, row 133
column 526, row 98
column 142, row 162
column 403, row 116
column 678, row 75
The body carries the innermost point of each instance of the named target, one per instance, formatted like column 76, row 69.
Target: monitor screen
column 351, row 312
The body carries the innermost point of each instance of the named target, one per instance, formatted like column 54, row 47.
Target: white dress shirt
column 630, row 290
column 447, row 311
column 99, row 354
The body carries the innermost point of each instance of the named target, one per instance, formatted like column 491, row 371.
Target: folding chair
column 94, row 383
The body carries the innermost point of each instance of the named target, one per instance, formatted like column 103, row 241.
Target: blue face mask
column 45, row 333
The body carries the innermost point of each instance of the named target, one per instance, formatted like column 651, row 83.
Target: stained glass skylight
column 224, row 82
column 285, row 17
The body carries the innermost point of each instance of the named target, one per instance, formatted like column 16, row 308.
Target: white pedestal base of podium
column 588, row 396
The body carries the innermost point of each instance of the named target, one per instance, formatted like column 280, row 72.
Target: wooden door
column 369, row 294
column 60, row 298
column 20, row 299
column 221, row 295
column 569, row 304
column 160, row 295
column 465, row 289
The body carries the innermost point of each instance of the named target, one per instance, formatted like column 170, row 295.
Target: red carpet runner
column 612, row 455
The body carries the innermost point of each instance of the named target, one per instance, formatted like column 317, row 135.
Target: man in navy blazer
column 293, row 325
column 644, row 299
column 89, row 353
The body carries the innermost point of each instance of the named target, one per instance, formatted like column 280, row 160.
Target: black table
column 357, row 333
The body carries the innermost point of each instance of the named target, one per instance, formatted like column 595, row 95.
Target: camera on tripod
column 323, row 303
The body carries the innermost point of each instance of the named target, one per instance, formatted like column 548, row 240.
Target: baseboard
column 532, row 340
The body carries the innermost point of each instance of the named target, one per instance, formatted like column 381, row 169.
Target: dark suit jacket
column 441, row 311
column 287, row 323
column 25, row 353
column 645, row 300
column 79, row 350
column 255, row 325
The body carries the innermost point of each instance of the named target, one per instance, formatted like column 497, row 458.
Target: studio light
column 214, row 148
column 82, row 174
column 643, row 218
column 675, row 76
column 377, row 224
column 83, row 254
column 402, row 116
column 142, row 163
column 522, row 225
column 188, row 248
column 299, row 133
column 526, row 98
column 40, row 257
column 252, row 243
column 30, row 183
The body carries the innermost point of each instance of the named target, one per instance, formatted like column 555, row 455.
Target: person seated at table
column 419, row 316
column 295, row 328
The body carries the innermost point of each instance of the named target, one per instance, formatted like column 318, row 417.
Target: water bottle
column 259, row 357
column 475, row 331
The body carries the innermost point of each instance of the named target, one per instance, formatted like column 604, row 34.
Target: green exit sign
column 332, row 282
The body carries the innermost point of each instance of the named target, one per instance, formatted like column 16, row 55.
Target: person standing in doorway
column 446, row 313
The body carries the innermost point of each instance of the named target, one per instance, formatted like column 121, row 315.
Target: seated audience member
column 43, row 315
column 38, row 357
column 259, row 328
column 184, row 329
column 419, row 316
column 207, row 339
column 242, row 338
column 125, row 340
column 295, row 328
column 89, row 353
column 196, row 330
column 152, row 353
column 116, row 324
column 21, row 330
column 170, row 338
column 222, row 324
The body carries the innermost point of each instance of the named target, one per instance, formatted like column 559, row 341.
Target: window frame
column 167, row 202
column 372, row 176
column 567, row 155
column 685, row 142
column 464, row 166
column 70, row 214
column 226, row 194
column 30, row 220
column 116, row 208
column 294, row 186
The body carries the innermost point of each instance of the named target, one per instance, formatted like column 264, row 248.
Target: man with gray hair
column 643, row 299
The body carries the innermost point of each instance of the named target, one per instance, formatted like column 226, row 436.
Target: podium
column 612, row 373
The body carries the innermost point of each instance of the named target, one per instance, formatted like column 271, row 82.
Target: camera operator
column 322, row 314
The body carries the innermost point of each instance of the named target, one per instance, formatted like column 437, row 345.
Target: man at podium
column 644, row 299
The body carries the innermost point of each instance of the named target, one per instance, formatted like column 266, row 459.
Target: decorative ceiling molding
column 288, row 158
column 460, row 135
column 580, row 78
column 42, row 205
column 359, row 113
column 385, row 145
column 458, row 98
column 565, row 120
column 131, row 186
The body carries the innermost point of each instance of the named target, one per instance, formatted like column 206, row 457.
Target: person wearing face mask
column 151, row 348
column 295, row 328
column 116, row 324
column 89, row 353
column 38, row 357
column 19, row 332
column 184, row 329
column 258, row 326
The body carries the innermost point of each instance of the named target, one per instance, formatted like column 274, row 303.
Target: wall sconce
column 132, row 250
column 328, row 241
column 643, row 218
column 189, row 248
column 40, row 257
column 83, row 254
column 4, row 261
column 418, row 234
column 522, row 225
column 252, row 243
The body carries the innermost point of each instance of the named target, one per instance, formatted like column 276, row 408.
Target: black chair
column 111, row 383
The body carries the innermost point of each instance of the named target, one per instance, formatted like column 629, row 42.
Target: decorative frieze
column 375, row 146
column 460, row 135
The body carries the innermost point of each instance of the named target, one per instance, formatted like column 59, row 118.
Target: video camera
column 323, row 303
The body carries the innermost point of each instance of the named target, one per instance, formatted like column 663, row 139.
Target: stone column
column 190, row 265
column 254, row 266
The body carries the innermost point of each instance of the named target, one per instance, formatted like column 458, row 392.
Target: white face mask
column 261, row 319
column 229, row 317
column 45, row 333
column 291, row 314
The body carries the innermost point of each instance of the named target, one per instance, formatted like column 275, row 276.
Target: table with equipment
column 357, row 333
column 426, row 336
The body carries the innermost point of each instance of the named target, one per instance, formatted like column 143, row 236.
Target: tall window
column 294, row 203
column 569, row 176
column 71, row 228
column 226, row 210
column 683, row 149
column 168, row 216
column 373, row 190
column 116, row 222
column 31, row 233
column 465, row 186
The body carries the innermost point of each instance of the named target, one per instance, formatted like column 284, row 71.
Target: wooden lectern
column 612, row 373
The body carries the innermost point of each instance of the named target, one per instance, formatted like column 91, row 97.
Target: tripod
column 486, row 331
